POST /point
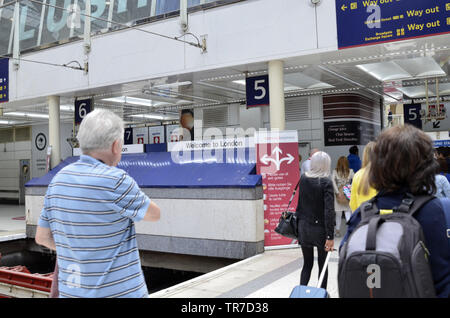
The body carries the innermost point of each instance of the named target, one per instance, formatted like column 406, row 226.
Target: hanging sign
column 257, row 91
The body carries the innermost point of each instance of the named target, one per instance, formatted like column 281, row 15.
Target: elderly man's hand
column 153, row 213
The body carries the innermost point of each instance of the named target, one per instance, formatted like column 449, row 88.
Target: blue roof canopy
column 235, row 168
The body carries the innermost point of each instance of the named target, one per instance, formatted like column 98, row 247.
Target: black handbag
column 287, row 225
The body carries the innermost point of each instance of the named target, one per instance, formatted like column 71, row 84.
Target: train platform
column 12, row 222
column 272, row 274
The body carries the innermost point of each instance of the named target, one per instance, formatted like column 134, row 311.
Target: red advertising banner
column 277, row 162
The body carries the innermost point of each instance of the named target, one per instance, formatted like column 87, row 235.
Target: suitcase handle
column 325, row 266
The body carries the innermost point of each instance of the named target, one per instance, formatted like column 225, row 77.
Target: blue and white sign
column 82, row 108
column 365, row 22
column 441, row 143
column 4, row 80
column 257, row 91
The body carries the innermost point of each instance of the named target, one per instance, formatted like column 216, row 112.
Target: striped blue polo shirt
column 91, row 209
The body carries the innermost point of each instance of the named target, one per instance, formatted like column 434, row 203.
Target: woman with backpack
column 315, row 215
column 402, row 170
column 342, row 176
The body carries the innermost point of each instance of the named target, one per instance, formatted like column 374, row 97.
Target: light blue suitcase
column 302, row 291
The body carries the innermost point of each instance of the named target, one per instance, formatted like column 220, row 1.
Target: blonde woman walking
column 361, row 189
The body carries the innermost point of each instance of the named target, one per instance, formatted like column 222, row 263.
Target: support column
column 54, row 130
column 276, row 93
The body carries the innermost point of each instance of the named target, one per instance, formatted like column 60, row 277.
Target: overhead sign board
column 4, row 80
column 82, row 108
column 257, row 91
column 365, row 22
column 128, row 136
column 442, row 143
column 428, row 118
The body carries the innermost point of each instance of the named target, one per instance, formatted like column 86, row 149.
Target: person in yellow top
column 361, row 189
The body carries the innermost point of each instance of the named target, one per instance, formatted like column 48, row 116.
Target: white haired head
column 320, row 165
column 99, row 130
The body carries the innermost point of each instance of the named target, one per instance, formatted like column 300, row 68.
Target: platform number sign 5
column 82, row 108
column 257, row 91
column 412, row 115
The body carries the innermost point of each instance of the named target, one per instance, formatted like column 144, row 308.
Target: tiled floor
column 12, row 222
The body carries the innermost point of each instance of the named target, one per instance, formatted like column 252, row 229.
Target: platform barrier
column 210, row 205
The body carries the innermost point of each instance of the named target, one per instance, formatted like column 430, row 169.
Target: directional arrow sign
column 344, row 7
column 436, row 125
column 277, row 161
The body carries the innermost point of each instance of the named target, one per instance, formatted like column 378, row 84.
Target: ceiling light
column 403, row 69
column 7, row 122
column 153, row 116
column 130, row 100
column 30, row 115
column 172, row 85
column 67, row 108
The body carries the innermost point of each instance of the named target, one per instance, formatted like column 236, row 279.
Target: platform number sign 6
column 257, row 91
column 82, row 108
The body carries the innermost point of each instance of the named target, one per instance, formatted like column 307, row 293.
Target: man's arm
column 153, row 213
column 44, row 237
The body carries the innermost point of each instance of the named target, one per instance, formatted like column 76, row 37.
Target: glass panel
column 30, row 21
column 99, row 9
column 166, row 6
column 126, row 11
column 56, row 22
column 6, row 16
column 193, row 3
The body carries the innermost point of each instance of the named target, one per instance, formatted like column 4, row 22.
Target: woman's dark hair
column 403, row 159
column 443, row 167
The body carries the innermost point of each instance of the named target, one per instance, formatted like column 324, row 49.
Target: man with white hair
column 89, row 214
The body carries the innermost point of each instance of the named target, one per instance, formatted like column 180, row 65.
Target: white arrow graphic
column 277, row 161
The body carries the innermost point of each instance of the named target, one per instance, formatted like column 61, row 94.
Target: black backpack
column 386, row 255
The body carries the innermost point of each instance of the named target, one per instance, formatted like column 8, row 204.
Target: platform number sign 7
column 82, row 108
column 128, row 138
column 257, row 91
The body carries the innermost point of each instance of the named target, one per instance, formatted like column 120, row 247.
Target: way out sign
column 277, row 163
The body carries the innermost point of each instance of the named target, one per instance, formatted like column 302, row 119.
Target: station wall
column 238, row 34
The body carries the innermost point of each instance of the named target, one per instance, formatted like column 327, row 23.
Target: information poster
column 156, row 135
column 277, row 162
column 365, row 22
column 351, row 132
column 140, row 135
